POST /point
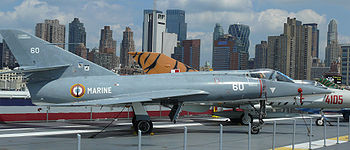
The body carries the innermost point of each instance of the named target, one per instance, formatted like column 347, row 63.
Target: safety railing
column 249, row 146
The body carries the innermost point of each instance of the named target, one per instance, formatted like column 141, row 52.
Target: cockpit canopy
column 269, row 74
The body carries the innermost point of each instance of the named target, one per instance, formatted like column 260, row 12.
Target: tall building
column 175, row 23
column 105, row 56
column 154, row 25
column 315, row 40
column 126, row 46
column 191, row 53
column 290, row 52
column 225, row 54
column 278, row 54
column 218, row 32
column 7, row 58
column 261, row 55
column 1, row 50
column 155, row 38
column 333, row 50
column 107, row 44
column 178, row 53
column 77, row 36
column 51, row 31
column 241, row 33
column 345, row 64
column 169, row 43
column 304, row 57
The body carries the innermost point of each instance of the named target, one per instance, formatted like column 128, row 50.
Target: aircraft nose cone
column 315, row 90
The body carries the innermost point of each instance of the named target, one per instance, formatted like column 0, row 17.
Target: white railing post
column 79, row 141
column 324, row 132
column 139, row 134
column 185, row 138
column 220, row 138
column 249, row 135
column 310, row 134
column 294, row 128
column 274, row 136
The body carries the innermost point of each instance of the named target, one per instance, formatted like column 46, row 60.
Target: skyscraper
column 290, row 52
column 1, row 50
column 333, row 50
column 241, row 33
column 278, row 54
column 218, row 32
column 315, row 39
column 175, row 23
column 106, row 55
column 304, row 57
column 76, row 35
column 52, row 32
column 225, row 54
column 107, row 44
column 345, row 64
column 169, row 43
column 126, row 46
column 154, row 25
column 191, row 53
column 261, row 55
column 7, row 58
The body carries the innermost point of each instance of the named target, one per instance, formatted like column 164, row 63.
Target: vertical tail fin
column 33, row 52
column 156, row 63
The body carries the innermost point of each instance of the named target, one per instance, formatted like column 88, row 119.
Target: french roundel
column 77, row 90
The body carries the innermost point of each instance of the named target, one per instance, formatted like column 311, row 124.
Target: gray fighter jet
column 55, row 75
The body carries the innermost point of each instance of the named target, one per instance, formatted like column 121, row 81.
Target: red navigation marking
column 260, row 88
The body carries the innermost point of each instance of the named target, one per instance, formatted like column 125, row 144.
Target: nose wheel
column 255, row 128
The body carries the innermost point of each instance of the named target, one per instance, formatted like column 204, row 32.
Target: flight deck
column 203, row 133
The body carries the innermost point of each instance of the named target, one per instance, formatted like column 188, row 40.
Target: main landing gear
column 141, row 121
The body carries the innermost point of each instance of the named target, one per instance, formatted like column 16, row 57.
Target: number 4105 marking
column 35, row 50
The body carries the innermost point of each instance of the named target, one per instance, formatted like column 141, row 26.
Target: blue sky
column 265, row 17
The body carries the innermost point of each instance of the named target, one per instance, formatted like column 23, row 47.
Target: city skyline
column 264, row 17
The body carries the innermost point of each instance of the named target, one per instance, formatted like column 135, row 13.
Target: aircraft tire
column 319, row 122
column 255, row 129
column 146, row 126
column 245, row 121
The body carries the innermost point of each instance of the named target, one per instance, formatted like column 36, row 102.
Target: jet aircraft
column 55, row 75
column 153, row 63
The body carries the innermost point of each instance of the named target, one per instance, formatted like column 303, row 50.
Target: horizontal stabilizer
column 30, row 69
